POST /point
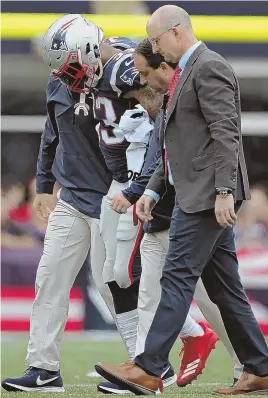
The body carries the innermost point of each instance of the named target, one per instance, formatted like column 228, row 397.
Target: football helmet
column 71, row 51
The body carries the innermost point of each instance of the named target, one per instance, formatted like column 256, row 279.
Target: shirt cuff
column 130, row 196
column 153, row 194
column 45, row 187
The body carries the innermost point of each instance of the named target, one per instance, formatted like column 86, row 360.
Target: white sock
column 127, row 325
column 191, row 328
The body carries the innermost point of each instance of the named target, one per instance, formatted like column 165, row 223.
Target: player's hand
column 44, row 204
column 224, row 211
column 144, row 206
column 120, row 204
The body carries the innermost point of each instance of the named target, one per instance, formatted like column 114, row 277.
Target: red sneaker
column 195, row 352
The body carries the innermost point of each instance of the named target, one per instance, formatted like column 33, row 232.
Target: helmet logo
column 58, row 40
column 129, row 75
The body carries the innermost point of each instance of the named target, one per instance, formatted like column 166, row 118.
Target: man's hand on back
column 120, row 204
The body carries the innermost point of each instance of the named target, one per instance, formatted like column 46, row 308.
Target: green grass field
column 79, row 357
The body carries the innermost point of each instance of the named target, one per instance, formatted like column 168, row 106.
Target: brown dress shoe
column 247, row 384
column 131, row 377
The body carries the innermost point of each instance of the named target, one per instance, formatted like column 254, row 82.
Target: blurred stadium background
column 237, row 30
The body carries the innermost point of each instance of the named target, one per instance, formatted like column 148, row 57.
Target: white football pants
column 67, row 241
column 121, row 239
column 154, row 247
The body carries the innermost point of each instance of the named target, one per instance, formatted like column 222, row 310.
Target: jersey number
column 112, row 135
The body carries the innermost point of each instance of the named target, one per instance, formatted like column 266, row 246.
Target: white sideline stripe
column 195, row 384
column 80, row 385
column 13, row 309
column 211, row 384
column 88, row 336
column 21, row 309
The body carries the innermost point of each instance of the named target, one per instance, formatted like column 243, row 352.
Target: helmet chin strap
column 82, row 106
column 100, row 68
column 79, row 54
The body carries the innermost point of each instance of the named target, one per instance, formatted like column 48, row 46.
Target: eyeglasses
column 155, row 41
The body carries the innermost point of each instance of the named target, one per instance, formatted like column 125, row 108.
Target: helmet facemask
column 80, row 77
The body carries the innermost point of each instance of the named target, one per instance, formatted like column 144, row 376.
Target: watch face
column 223, row 193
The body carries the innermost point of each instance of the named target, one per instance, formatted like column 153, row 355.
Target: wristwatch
column 223, row 192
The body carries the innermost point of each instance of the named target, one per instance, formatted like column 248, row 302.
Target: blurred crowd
column 252, row 223
column 22, row 232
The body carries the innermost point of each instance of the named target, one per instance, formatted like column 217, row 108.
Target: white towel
column 135, row 123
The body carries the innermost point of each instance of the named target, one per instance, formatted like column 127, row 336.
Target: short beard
column 150, row 100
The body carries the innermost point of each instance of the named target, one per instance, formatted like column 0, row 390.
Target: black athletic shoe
column 110, row 388
column 35, row 379
column 169, row 377
column 235, row 380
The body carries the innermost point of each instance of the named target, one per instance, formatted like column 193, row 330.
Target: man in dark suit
column 203, row 157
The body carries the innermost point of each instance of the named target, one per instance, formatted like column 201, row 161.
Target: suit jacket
column 202, row 134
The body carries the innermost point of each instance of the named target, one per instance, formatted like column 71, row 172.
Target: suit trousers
column 154, row 248
column 67, row 241
column 199, row 246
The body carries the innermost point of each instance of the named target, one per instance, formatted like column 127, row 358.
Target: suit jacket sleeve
column 217, row 90
column 157, row 182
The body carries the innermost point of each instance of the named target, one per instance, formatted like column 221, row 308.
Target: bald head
column 168, row 16
column 170, row 32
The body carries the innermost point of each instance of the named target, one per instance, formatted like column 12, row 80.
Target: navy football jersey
column 70, row 153
column 119, row 77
